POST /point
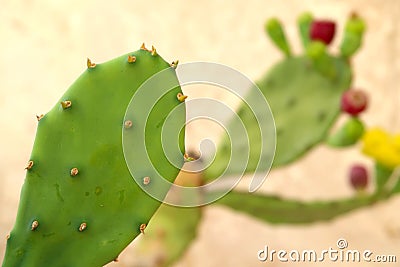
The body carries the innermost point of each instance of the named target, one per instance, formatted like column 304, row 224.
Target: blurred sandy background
column 43, row 49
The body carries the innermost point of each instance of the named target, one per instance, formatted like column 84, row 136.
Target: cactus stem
column 82, row 227
column 74, row 171
column 174, row 64
column 34, row 225
column 30, row 165
column 143, row 47
column 39, row 117
column 146, row 180
column 181, row 97
column 153, row 51
column 131, row 59
column 128, row 124
column 66, row 104
column 142, row 227
column 90, row 64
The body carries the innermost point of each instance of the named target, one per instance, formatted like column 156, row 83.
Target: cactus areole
column 80, row 205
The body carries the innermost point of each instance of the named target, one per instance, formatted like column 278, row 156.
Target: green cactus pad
column 304, row 102
column 274, row 29
column 304, row 22
column 352, row 37
column 349, row 133
column 303, row 93
column 88, row 215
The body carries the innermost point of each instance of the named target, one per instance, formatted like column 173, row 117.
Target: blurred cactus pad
column 303, row 92
column 79, row 204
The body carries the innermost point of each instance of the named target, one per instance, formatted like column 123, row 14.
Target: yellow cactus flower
column 382, row 146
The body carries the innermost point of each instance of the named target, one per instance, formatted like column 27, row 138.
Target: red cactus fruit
column 322, row 30
column 358, row 177
column 354, row 102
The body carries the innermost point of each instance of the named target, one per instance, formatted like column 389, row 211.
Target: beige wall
column 43, row 48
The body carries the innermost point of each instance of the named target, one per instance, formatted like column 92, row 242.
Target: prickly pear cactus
column 305, row 103
column 79, row 205
column 303, row 92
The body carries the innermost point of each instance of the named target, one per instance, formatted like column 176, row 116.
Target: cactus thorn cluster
column 188, row 158
column 153, row 51
column 74, row 172
column 39, row 117
column 131, row 59
column 35, row 224
column 30, row 165
column 143, row 47
column 128, row 124
column 142, row 227
column 174, row 64
column 82, row 227
column 146, row 180
column 66, row 104
column 90, row 64
column 181, row 97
